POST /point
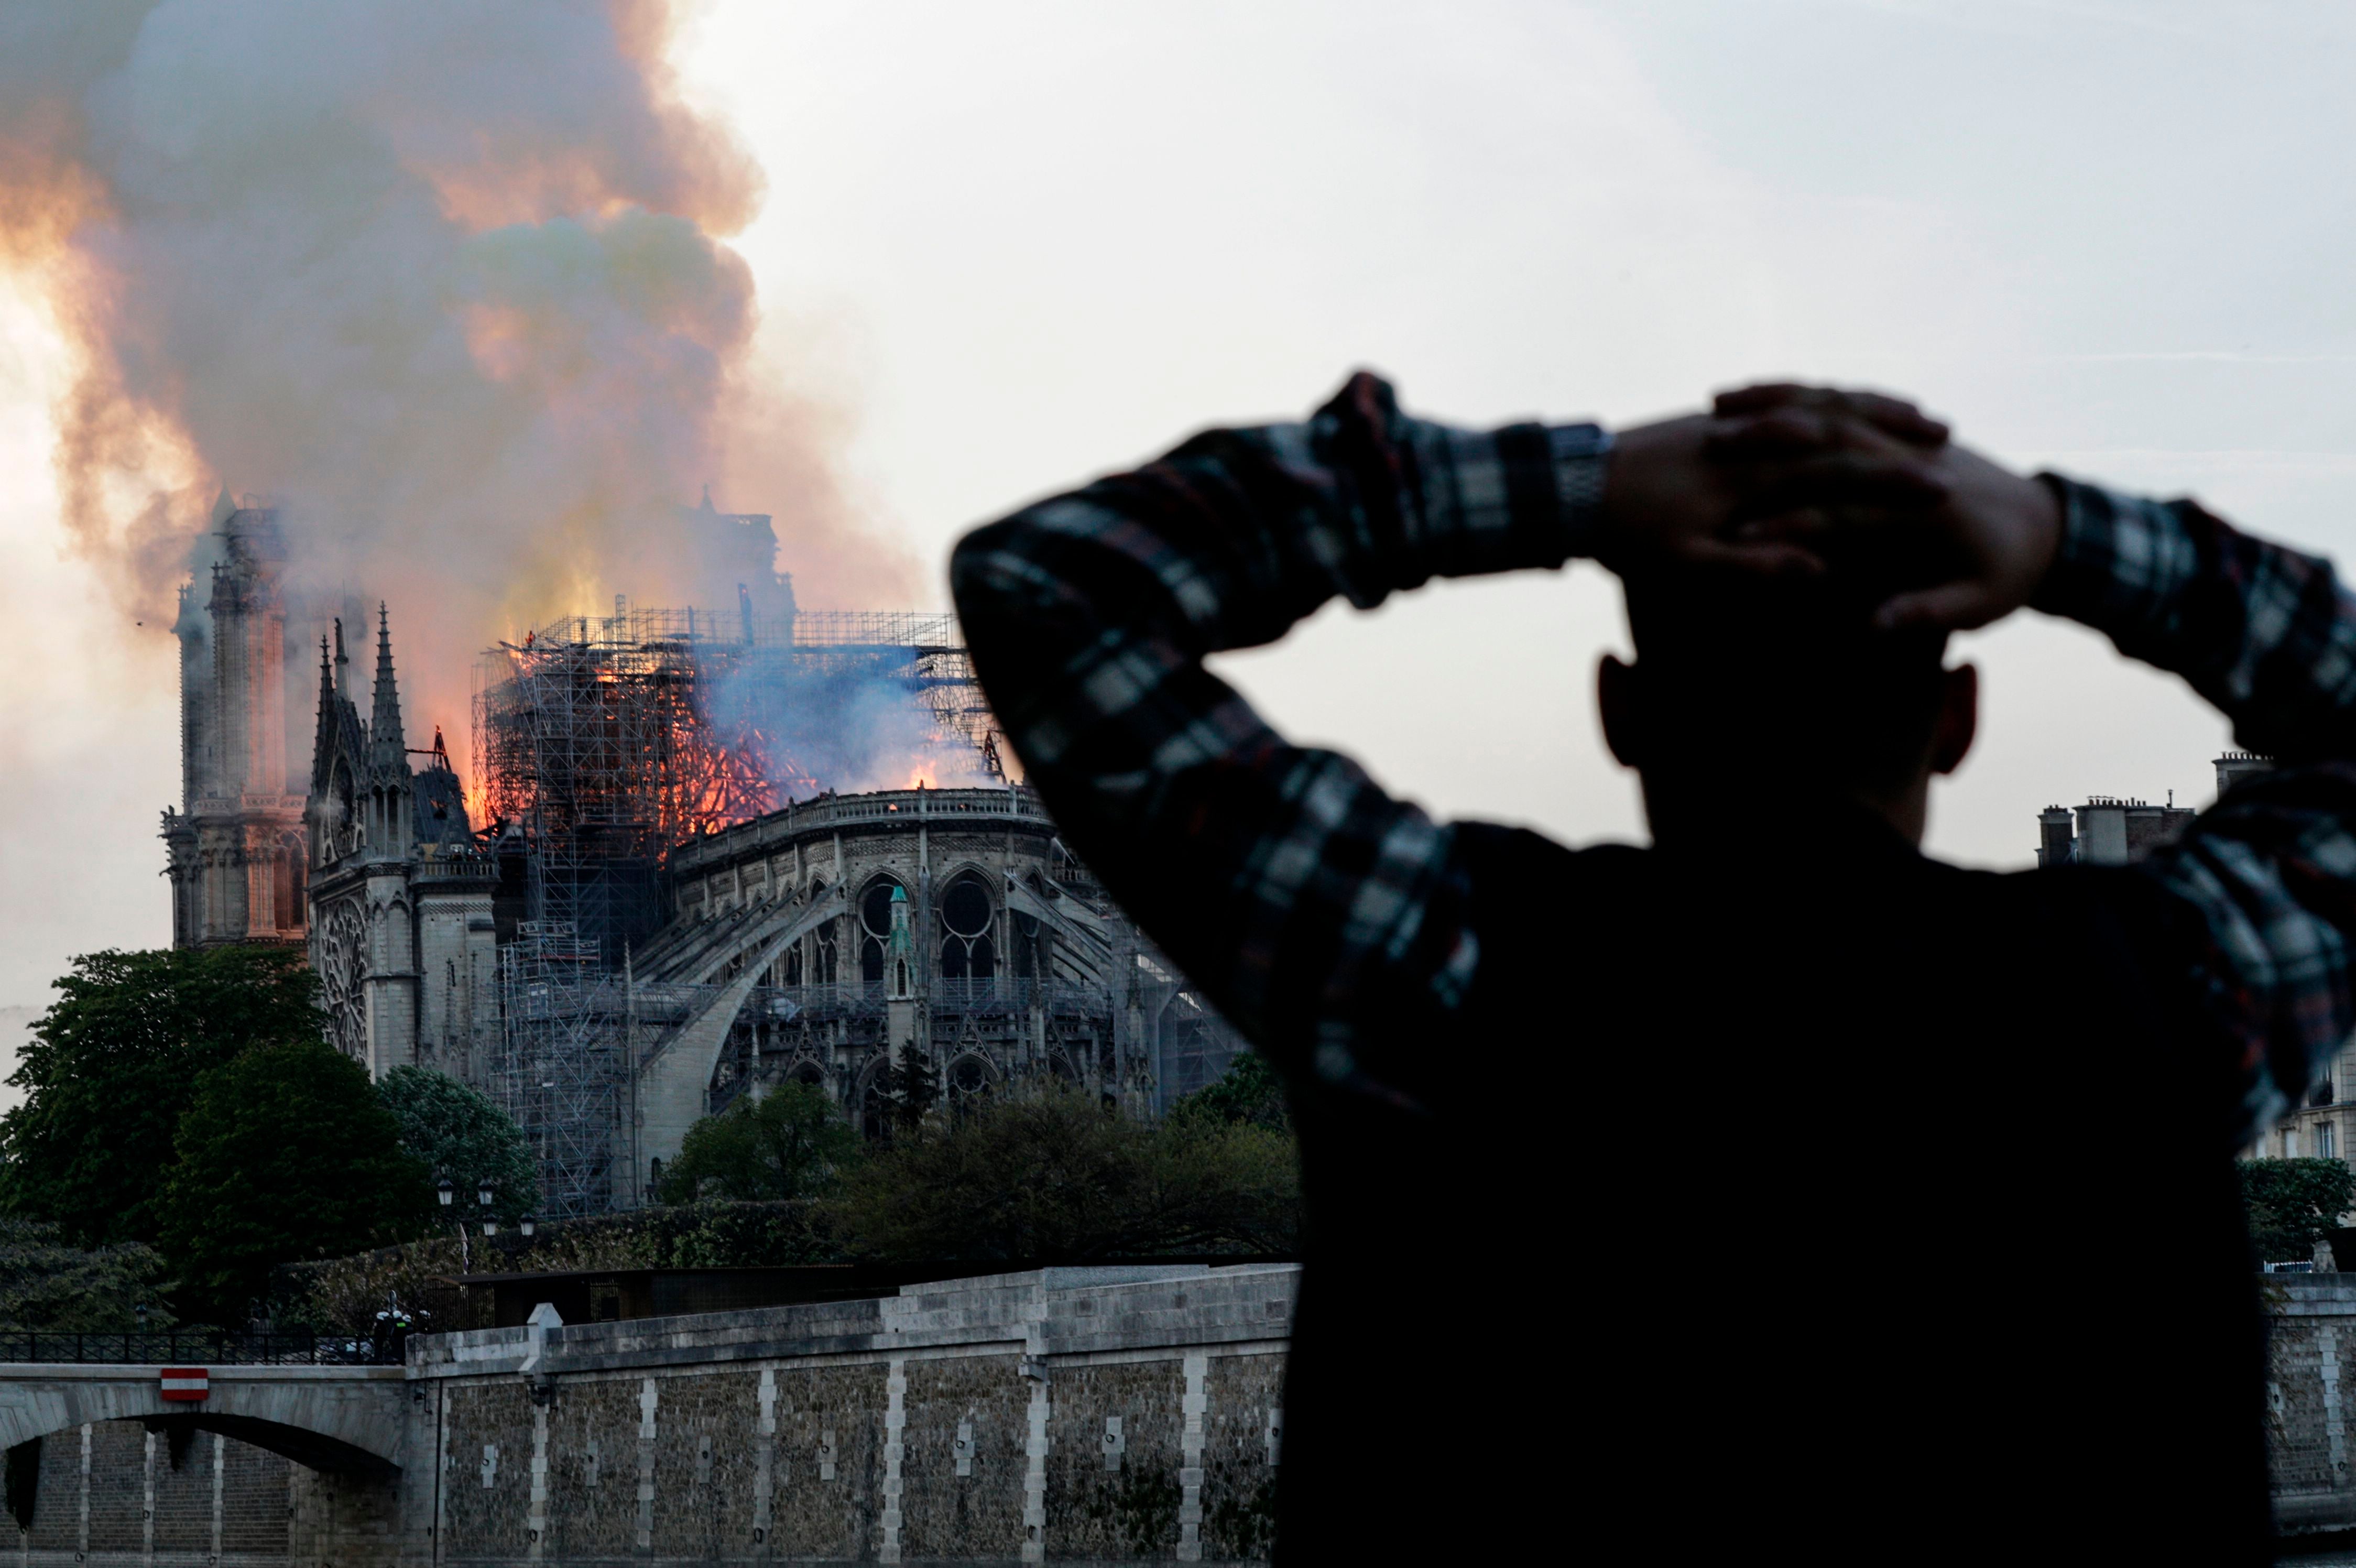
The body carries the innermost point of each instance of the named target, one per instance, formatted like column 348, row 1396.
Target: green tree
column 460, row 1134
column 913, row 1087
column 1053, row 1175
column 1248, row 1093
column 46, row 1283
column 789, row 1144
column 114, row 1062
column 286, row 1153
column 2291, row 1203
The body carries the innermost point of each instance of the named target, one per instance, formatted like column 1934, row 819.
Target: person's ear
column 1619, row 702
column 1959, row 717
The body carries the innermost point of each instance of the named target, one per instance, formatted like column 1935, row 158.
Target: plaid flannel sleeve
column 2269, row 636
column 1305, row 901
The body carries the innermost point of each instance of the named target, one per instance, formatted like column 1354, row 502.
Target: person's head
column 1745, row 686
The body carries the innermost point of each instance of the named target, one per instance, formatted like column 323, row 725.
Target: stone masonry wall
column 1068, row 1416
column 2312, row 1360
column 1079, row 1415
column 225, row 1503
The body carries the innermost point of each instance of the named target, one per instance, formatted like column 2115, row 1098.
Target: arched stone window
column 1030, row 945
column 875, row 927
column 343, row 812
column 967, row 917
column 969, row 1082
column 288, row 894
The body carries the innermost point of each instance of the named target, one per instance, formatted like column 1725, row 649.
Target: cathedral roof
column 441, row 812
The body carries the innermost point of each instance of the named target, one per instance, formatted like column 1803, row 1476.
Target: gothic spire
column 325, row 726
column 340, row 659
column 384, row 721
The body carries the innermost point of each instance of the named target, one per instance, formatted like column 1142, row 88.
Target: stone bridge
column 351, row 1420
column 354, row 1493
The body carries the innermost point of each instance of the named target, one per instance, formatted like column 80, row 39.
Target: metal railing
column 958, row 807
column 193, row 1348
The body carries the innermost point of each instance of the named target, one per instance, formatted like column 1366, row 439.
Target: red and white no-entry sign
column 186, row 1384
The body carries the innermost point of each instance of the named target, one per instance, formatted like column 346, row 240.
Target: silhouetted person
column 1912, row 1113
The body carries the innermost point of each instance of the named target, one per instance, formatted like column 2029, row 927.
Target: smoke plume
column 446, row 281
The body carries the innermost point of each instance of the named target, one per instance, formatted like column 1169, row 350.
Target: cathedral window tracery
column 875, row 921
column 969, row 1080
column 342, row 957
column 968, row 949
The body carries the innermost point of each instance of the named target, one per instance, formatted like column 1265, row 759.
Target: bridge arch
column 341, row 1420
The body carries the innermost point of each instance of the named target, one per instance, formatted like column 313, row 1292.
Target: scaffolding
column 560, row 1068
column 598, row 737
column 609, row 739
column 606, row 741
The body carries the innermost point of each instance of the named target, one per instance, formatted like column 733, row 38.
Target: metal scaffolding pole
column 560, row 1068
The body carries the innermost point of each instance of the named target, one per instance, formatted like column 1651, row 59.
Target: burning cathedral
column 674, row 882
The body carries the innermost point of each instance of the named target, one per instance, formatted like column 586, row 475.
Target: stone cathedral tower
column 236, row 842
column 403, row 935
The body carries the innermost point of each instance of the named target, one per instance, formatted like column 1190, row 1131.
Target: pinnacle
column 384, row 725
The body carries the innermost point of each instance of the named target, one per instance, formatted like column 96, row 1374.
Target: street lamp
column 446, row 1191
column 482, row 1195
column 527, row 1224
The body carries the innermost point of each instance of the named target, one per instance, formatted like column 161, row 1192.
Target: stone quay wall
column 1067, row 1414
column 113, row 1492
column 2311, row 1377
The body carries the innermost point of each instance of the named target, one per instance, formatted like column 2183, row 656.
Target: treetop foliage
column 1248, row 1093
column 2291, row 1203
column 248, row 1191
column 913, row 1085
column 457, row 1132
column 46, row 1283
column 788, row 1144
column 1054, row 1177
column 114, row 1064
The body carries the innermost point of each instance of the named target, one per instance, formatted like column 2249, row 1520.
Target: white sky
column 1021, row 243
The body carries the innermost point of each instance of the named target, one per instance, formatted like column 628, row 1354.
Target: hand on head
column 1787, row 480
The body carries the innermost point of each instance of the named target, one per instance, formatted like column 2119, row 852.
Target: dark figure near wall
column 1890, row 1090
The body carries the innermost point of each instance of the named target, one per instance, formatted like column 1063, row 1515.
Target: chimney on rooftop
column 2236, row 765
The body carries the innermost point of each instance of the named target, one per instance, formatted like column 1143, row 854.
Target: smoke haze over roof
column 448, row 282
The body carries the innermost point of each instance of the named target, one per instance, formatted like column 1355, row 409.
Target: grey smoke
column 448, row 282
column 843, row 729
